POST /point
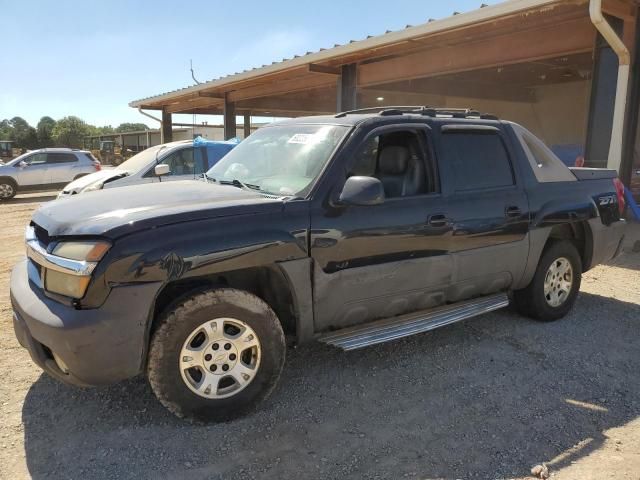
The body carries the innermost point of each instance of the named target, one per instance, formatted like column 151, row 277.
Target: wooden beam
column 166, row 131
column 297, row 84
column 575, row 36
column 315, row 68
column 347, row 98
column 316, row 102
column 211, row 95
column 450, row 88
column 246, row 125
column 229, row 117
column 192, row 104
column 619, row 8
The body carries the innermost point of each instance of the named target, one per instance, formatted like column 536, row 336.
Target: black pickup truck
column 351, row 229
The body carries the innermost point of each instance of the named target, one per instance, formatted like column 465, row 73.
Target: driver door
column 33, row 170
column 383, row 260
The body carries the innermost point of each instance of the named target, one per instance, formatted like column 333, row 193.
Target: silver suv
column 45, row 169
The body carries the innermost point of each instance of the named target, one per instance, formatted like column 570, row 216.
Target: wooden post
column 229, row 118
column 166, row 131
column 347, row 88
column 247, row 124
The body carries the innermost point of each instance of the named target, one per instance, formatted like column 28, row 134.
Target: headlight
column 71, row 284
column 93, row 187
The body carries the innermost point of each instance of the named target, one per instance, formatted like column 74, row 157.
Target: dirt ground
column 487, row 398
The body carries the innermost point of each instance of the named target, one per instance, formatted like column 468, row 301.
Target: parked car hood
column 119, row 211
column 100, row 176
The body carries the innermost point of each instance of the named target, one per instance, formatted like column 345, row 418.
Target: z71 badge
column 608, row 200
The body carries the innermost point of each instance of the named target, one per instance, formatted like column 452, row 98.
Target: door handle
column 512, row 211
column 439, row 220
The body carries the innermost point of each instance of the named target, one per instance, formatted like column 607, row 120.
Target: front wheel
column 8, row 189
column 555, row 285
column 216, row 355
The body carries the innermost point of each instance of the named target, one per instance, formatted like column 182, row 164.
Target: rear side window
column 90, row 157
column 479, row 160
column 61, row 158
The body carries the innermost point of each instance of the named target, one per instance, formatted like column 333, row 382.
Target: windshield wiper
column 237, row 183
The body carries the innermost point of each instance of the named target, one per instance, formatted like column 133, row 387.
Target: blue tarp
column 216, row 149
column 633, row 206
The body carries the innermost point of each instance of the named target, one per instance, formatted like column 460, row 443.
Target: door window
column 36, row 159
column 182, row 162
column 479, row 159
column 398, row 159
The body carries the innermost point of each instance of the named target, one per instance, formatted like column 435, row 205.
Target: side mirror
column 23, row 164
column 362, row 191
column 161, row 169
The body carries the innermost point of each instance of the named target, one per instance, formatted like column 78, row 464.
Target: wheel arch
column 579, row 233
column 11, row 180
column 275, row 284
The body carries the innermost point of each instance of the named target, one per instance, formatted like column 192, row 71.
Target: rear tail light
column 97, row 165
column 620, row 193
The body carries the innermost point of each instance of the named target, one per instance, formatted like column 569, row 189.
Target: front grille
column 42, row 235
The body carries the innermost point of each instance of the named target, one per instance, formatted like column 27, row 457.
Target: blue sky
column 90, row 58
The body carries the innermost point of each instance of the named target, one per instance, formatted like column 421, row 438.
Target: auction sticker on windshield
column 302, row 138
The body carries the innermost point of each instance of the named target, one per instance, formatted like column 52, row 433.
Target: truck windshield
column 280, row 160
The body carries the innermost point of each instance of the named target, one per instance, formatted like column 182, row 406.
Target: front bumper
column 98, row 346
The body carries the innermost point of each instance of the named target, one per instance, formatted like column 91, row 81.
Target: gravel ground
column 487, row 398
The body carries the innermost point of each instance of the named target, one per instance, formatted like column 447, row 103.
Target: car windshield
column 141, row 160
column 280, row 160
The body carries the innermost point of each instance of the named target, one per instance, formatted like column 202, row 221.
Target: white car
column 186, row 159
column 45, row 169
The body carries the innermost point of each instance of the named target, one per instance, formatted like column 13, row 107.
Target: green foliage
column 70, row 132
column 66, row 132
column 5, row 130
column 45, row 132
column 131, row 127
column 23, row 134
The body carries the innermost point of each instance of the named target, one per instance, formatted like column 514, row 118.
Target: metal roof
column 457, row 20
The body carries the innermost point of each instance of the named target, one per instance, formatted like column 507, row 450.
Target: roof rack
column 421, row 110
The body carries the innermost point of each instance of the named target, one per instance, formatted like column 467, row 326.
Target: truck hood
column 101, row 176
column 119, row 211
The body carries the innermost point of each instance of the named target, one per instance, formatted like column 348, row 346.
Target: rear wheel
column 216, row 355
column 8, row 189
column 555, row 285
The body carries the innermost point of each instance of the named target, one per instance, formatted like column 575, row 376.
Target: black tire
column 178, row 323
column 8, row 189
column 531, row 301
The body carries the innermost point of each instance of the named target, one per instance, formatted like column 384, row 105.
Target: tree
column 45, row 132
column 23, row 134
column 70, row 132
column 5, row 130
column 131, row 127
column 106, row 130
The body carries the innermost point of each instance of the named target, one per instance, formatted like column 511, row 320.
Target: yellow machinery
column 109, row 152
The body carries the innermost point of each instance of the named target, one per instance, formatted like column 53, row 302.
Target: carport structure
column 542, row 63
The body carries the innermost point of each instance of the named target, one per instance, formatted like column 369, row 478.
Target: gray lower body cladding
column 99, row 346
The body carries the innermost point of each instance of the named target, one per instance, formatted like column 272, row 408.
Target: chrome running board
column 404, row 325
